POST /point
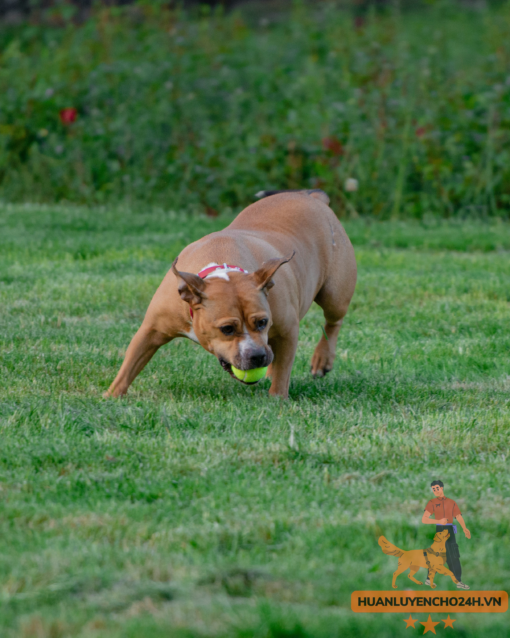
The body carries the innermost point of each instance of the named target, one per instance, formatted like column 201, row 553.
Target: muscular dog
column 432, row 558
column 241, row 292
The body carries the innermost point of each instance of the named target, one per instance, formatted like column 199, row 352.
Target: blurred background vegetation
column 198, row 106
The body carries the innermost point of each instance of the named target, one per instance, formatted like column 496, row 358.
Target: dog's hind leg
column 140, row 351
column 400, row 569
column 412, row 571
column 325, row 351
column 334, row 302
column 334, row 297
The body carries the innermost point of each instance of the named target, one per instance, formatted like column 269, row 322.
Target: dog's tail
column 314, row 192
column 389, row 548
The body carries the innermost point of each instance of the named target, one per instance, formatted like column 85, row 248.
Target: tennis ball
column 249, row 376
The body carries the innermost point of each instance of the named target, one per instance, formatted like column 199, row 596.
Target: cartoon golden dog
column 432, row 558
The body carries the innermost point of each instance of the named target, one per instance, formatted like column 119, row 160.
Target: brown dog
column 432, row 558
column 247, row 313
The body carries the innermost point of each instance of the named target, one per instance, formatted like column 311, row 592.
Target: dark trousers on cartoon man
column 452, row 551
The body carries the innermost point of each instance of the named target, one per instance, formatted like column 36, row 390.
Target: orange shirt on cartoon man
column 444, row 510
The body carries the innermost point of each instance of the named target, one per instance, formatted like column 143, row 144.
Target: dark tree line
column 16, row 10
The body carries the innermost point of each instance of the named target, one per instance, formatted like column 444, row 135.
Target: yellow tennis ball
column 249, row 376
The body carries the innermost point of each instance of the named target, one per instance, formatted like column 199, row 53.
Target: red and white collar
column 217, row 270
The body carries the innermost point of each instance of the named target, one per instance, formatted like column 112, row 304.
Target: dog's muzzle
column 251, row 360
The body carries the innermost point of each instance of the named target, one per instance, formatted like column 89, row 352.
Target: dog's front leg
column 140, row 351
column 284, row 349
column 441, row 569
column 432, row 573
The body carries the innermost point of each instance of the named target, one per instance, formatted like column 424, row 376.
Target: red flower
column 420, row 131
column 68, row 116
column 333, row 144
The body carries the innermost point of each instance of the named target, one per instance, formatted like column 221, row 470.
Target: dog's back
column 314, row 192
column 300, row 221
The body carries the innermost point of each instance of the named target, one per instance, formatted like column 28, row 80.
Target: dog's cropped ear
column 264, row 275
column 191, row 287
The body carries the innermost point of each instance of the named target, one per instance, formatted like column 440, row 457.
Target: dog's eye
column 228, row 330
column 261, row 324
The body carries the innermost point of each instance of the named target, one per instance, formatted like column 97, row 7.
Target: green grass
column 183, row 510
column 202, row 113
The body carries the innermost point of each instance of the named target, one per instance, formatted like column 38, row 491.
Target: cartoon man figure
column 444, row 511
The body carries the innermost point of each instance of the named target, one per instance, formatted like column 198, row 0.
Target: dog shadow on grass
column 375, row 390
column 183, row 377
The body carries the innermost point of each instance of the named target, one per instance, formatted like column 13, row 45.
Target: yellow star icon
column 410, row 621
column 449, row 622
column 429, row 625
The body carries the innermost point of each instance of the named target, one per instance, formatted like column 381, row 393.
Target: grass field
column 185, row 509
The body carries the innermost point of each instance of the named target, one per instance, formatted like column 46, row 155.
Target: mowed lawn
column 187, row 508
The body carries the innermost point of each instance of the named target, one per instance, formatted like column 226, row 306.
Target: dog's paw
column 322, row 361
column 114, row 393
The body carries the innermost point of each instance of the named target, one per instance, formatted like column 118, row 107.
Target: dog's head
column 442, row 537
column 231, row 313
